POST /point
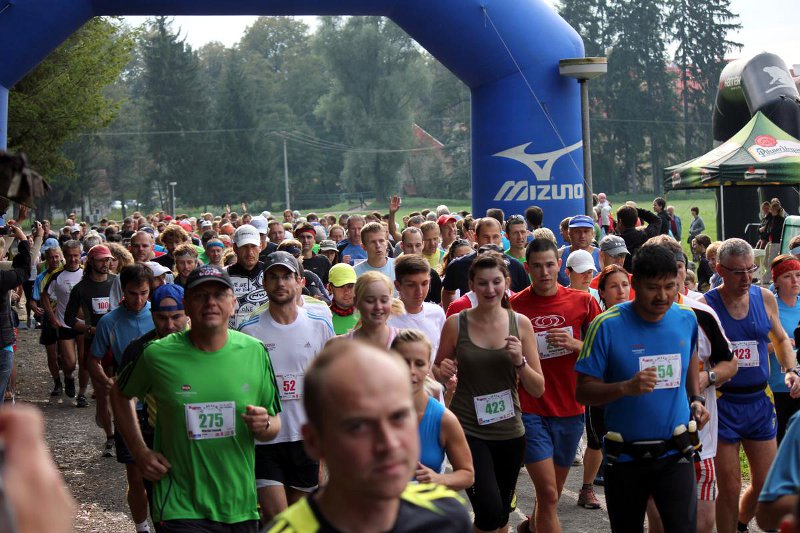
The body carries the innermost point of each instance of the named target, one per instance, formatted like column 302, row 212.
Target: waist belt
column 648, row 449
column 727, row 389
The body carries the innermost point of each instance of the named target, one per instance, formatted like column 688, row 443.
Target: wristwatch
column 700, row 399
column 712, row 377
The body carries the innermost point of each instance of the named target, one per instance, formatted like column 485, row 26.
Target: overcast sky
column 767, row 25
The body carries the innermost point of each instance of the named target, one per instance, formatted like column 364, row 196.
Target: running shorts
column 741, row 419
column 706, row 480
column 552, row 437
column 286, row 464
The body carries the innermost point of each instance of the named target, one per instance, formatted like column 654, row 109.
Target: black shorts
column 206, row 526
column 123, row 453
column 595, row 427
column 49, row 334
column 27, row 288
column 286, row 464
column 65, row 334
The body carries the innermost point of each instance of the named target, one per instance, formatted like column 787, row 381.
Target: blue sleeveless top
column 754, row 328
column 430, row 428
column 563, row 278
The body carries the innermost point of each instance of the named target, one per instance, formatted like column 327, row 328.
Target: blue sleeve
column 101, row 343
column 593, row 358
column 784, row 474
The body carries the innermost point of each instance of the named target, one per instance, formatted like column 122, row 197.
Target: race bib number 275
column 211, row 420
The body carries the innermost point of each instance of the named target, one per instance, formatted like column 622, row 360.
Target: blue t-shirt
column 784, row 474
column 117, row 329
column 387, row 269
column 355, row 252
column 789, row 317
column 618, row 344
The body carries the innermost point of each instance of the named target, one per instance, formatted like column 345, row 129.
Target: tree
column 699, row 30
column 376, row 70
column 64, row 96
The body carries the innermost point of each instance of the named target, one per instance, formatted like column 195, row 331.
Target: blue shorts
column 552, row 436
column 752, row 418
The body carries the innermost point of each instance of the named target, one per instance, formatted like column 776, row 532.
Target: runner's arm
column 530, row 375
column 71, row 311
column 594, row 391
column 394, row 205
column 770, row 514
column 445, row 365
column 781, row 344
column 454, row 442
column 447, row 298
column 48, row 310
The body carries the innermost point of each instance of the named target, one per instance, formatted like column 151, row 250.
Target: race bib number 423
column 747, row 353
column 491, row 408
column 212, row 420
column 668, row 369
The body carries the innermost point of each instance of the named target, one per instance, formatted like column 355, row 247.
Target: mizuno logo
column 542, row 172
column 521, row 191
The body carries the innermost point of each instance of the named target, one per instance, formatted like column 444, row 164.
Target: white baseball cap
column 157, row 268
column 260, row 223
column 246, row 234
column 580, row 261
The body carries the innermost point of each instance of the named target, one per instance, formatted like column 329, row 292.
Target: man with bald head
column 362, row 423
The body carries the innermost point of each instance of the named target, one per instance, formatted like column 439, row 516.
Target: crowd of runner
column 357, row 373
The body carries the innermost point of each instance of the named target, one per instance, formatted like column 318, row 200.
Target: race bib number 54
column 668, row 369
column 212, row 420
column 491, row 408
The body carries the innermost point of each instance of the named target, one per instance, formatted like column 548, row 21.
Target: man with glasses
column 749, row 315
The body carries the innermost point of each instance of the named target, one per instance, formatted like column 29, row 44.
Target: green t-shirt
column 522, row 259
column 343, row 324
column 200, row 397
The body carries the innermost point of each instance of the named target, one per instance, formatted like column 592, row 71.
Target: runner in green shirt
column 215, row 394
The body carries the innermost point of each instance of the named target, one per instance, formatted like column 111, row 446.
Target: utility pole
column 286, row 174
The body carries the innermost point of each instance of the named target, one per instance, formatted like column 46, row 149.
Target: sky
column 767, row 25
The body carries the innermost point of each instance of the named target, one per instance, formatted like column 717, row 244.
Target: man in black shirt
column 634, row 237
column 456, row 276
column 306, row 234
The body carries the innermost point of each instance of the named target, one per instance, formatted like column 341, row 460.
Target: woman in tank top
column 374, row 301
column 491, row 347
column 439, row 430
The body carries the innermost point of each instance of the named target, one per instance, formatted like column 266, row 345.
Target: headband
column 212, row 244
column 784, row 267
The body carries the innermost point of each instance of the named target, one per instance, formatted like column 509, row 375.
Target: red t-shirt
column 567, row 308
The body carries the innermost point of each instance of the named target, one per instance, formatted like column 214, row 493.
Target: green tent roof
column 759, row 154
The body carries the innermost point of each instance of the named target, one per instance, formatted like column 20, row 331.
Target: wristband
column 700, row 399
column 521, row 365
column 796, row 371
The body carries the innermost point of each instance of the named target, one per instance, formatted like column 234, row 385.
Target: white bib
column 100, row 306
column 547, row 350
column 290, row 386
column 668, row 369
column 491, row 408
column 212, row 420
column 747, row 353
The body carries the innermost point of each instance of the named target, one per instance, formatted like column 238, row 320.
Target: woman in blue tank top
column 439, row 430
column 786, row 277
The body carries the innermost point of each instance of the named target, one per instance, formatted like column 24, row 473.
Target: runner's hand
column 346, row 259
column 109, row 384
column 32, row 482
column 793, row 383
column 562, row 338
column 447, row 369
column 701, row 414
column 514, row 350
column 256, row 418
column 394, row 204
column 153, row 465
column 423, row 474
column 642, row 382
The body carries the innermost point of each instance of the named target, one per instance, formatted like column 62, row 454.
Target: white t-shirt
column 708, row 434
column 430, row 321
column 58, row 289
column 291, row 349
column 605, row 213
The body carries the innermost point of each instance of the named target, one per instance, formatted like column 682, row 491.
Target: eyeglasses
column 745, row 272
column 516, row 217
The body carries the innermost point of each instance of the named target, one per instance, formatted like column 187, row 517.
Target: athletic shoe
column 578, row 461
column 108, row 451
column 587, row 499
column 599, row 480
column 82, row 401
column 526, row 526
column 69, row 387
column 57, row 388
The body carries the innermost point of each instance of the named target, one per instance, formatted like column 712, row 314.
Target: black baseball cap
column 281, row 258
column 208, row 273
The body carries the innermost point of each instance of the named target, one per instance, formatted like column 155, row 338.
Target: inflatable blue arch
column 526, row 133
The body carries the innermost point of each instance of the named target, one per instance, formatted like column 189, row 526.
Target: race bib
column 100, row 306
column 747, row 353
column 290, row 386
column 211, row 420
column 548, row 350
column 491, row 408
column 668, row 369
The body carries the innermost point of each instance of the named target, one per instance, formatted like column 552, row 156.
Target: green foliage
column 65, row 96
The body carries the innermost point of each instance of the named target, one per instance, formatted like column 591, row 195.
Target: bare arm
column 447, row 298
column 394, row 206
column 445, row 366
column 530, row 375
column 781, row 344
column 453, row 440
column 154, row 466
column 48, row 310
column 770, row 514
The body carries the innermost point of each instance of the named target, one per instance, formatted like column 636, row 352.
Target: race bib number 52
column 212, row 420
column 668, row 369
column 290, row 386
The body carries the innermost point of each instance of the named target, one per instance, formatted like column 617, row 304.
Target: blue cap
column 581, row 221
column 170, row 290
column 49, row 244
